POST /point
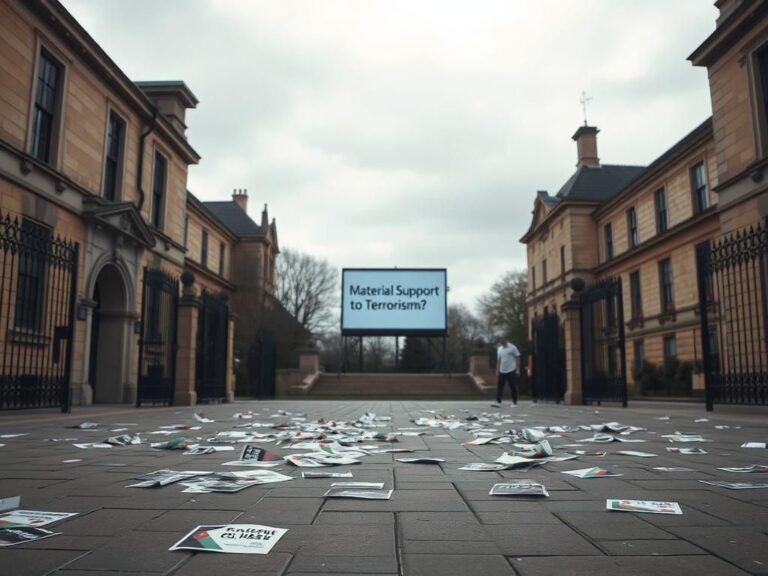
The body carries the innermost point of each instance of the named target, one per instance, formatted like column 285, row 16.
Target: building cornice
column 559, row 207
column 71, row 33
column 729, row 32
column 210, row 274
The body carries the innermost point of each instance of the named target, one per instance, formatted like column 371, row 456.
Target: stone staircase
column 433, row 386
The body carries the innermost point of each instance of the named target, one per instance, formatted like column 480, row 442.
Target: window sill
column 667, row 317
column 27, row 336
column 635, row 323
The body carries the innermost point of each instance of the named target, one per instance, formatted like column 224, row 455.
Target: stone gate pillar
column 185, row 393
column 230, row 380
column 572, row 330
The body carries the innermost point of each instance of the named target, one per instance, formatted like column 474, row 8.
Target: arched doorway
column 110, row 329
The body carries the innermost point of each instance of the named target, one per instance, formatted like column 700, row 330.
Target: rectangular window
column 222, row 254
column 608, row 232
column 533, row 277
column 639, row 349
column 544, row 271
column 660, row 203
column 635, row 295
column 30, row 284
column 204, row 249
column 113, row 158
column 665, row 282
column 670, row 349
column 761, row 63
column 699, row 188
column 632, row 238
column 186, row 230
column 46, row 108
column 562, row 260
column 158, row 190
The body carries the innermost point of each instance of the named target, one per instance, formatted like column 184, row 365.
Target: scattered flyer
column 688, row 451
column 648, row 506
column 340, row 492
column 231, row 539
column 519, row 488
column 596, row 453
column 253, row 452
column 635, row 453
column 420, row 460
column 595, row 472
column 174, row 444
column 202, row 419
column 22, row 534
column 735, row 485
column 306, row 474
column 164, row 477
column 85, row 426
column 32, row 518
column 673, row 469
column 9, row 503
column 743, row 469
column 252, row 463
column 377, row 485
column 754, row 445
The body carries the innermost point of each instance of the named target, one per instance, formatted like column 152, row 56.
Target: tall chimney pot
column 240, row 195
column 586, row 146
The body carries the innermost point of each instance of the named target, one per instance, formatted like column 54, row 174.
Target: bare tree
column 463, row 330
column 504, row 310
column 306, row 286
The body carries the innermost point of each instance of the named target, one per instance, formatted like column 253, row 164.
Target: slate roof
column 235, row 218
column 599, row 183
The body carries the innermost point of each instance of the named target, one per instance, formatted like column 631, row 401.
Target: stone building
column 647, row 225
column 97, row 229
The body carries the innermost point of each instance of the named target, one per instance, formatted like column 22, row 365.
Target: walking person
column 507, row 369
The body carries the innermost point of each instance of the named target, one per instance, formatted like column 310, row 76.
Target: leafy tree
column 307, row 288
column 504, row 310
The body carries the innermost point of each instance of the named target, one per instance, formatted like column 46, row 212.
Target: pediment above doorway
column 121, row 218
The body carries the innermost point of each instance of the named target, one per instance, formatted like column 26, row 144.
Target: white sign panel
column 393, row 301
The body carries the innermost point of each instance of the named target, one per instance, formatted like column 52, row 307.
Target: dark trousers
column 504, row 378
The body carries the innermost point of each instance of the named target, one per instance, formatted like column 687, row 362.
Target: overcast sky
column 412, row 133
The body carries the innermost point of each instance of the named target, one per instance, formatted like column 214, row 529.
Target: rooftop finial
column 584, row 101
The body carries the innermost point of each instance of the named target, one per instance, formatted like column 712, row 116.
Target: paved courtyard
column 439, row 520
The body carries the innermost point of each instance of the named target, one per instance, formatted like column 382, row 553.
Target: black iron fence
column 733, row 309
column 157, row 344
column 38, row 288
column 212, row 341
column 603, row 361
column 548, row 378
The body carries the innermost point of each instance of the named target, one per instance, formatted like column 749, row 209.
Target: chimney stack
column 240, row 195
column 586, row 146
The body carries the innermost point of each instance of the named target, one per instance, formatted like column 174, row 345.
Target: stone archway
column 111, row 325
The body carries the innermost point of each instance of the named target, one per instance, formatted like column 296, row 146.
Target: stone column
column 572, row 330
column 230, row 381
column 479, row 362
column 185, row 393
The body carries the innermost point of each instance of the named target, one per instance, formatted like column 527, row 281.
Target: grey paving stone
column 339, row 540
column 450, row 547
column 107, row 521
column 650, row 548
column 326, row 564
column 540, row 540
column 744, row 547
column 138, row 551
column 517, row 518
column 351, row 518
column 606, row 525
column 203, row 564
column 626, row 566
column 66, row 542
column 440, row 526
column 404, row 501
column 181, row 520
column 32, row 562
column 455, row 565
column 279, row 511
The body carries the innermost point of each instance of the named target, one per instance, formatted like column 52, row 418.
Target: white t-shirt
column 507, row 358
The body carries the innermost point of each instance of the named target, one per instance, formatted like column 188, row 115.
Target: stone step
column 395, row 385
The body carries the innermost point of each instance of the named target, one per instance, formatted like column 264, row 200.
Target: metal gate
column 38, row 289
column 733, row 309
column 548, row 381
column 157, row 343
column 212, row 340
column 262, row 363
column 603, row 362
